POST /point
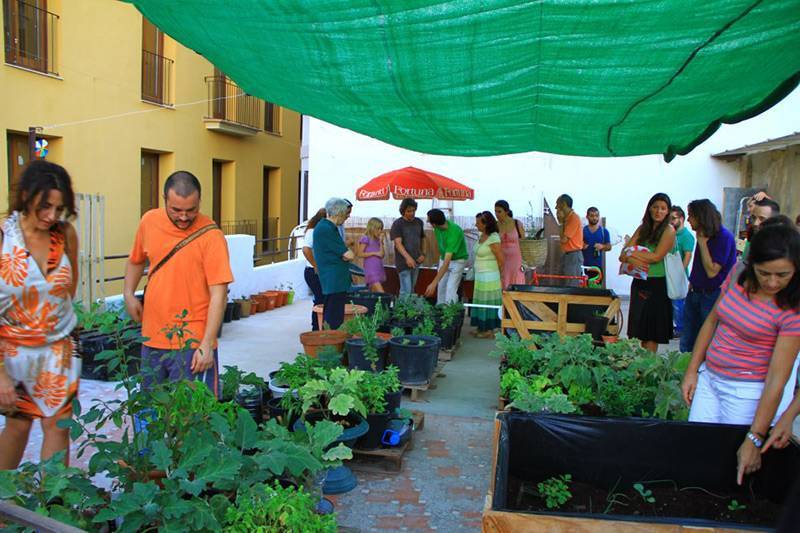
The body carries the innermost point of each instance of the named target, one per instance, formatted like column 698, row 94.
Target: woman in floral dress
column 488, row 287
column 39, row 371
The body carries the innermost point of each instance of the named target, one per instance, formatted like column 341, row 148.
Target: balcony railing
column 227, row 102
column 271, row 117
column 156, row 76
column 239, row 227
column 30, row 36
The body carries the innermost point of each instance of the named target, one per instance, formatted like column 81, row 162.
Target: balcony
column 30, row 36
column 230, row 109
column 156, row 76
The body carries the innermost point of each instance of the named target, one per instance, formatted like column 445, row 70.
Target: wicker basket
column 534, row 251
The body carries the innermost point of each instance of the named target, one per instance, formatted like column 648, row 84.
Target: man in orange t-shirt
column 193, row 281
column 571, row 238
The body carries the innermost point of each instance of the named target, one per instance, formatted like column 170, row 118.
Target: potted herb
column 374, row 391
column 415, row 356
column 278, row 509
column 366, row 350
column 313, row 341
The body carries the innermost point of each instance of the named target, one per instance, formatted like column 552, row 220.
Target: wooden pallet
column 416, row 389
column 447, row 355
column 383, row 460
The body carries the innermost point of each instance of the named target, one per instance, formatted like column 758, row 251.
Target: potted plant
column 274, row 508
column 313, row 341
column 334, row 395
column 366, row 350
column 414, row 355
column 376, row 388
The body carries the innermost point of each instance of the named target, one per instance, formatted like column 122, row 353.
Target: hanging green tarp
column 469, row 77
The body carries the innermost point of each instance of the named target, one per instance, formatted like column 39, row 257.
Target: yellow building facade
column 122, row 106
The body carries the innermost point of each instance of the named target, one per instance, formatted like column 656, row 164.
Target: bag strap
column 183, row 243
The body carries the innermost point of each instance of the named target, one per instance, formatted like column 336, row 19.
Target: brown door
column 26, row 33
column 218, row 94
column 17, row 159
column 153, row 70
column 266, row 229
column 216, row 178
column 149, row 182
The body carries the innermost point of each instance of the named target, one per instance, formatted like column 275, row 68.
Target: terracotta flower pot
column 312, row 341
column 270, row 299
column 245, row 306
column 284, row 297
column 261, row 303
column 610, row 339
column 350, row 311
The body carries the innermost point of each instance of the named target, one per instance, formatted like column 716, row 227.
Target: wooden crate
column 550, row 320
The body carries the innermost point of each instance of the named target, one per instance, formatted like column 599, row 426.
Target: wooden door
column 17, row 159
column 149, row 182
column 153, row 70
column 26, row 33
column 216, row 185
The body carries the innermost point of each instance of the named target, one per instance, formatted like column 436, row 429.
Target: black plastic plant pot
column 370, row 299
column 278, row 413
column 678, row 461
column 356, row 356
column 596, row 326
column 406, row 325
column 415, row 360
column 393, row 400
column 253, row 402
column 447, row 336
column 237, row 311
column 377, row 425
column 228, row 313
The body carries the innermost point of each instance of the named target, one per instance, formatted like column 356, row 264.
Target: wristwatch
column 757, row 442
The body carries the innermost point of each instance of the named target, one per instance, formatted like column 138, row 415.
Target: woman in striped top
column 746, row 350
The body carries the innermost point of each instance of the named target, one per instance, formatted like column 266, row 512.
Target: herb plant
column 273, row 508
column 555, row 490
column 646, row 494
column 736, row 506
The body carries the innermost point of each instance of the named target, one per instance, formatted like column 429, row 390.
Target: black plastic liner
column 577, row 313
column 605, row 451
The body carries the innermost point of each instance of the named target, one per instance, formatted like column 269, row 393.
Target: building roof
column 780, row 143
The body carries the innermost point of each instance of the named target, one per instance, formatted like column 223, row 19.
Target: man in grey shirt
column 408, row 235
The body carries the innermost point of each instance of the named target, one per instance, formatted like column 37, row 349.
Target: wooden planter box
column 530, row 309
column 609, row 451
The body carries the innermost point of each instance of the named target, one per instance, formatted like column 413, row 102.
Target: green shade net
column 475, row 78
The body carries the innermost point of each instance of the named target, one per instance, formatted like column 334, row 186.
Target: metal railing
column 156, row 76
column 227, row 101
column 273, row 252
column 30, row 36
column 239, row 227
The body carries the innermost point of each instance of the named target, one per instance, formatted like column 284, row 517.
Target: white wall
column 340, row 161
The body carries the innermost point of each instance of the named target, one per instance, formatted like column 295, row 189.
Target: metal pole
column 31, row 142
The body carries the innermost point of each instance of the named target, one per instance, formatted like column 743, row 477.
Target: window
column 17, row 159
column 30, row 35
column 149, row 182
column 156, row 69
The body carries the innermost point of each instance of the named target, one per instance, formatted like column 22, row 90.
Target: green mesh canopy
column 476, row 78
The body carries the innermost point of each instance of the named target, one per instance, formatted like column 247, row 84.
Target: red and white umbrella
column 411, row 182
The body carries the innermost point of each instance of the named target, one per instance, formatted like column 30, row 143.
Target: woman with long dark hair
column 746, row 350
column 714, row 258
column 39, row 371
column 511, row 231
column 488, row 286
column 310, row 274
column 650, row 314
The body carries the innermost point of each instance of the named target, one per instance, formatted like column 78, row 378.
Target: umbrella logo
column 40, row 148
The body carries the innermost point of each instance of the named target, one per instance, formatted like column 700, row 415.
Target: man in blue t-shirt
column 596, row 240
column 684, row 246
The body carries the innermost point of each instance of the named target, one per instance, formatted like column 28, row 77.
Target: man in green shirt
column 684, row 246
column 452, row 258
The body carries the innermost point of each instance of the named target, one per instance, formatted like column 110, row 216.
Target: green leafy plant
column 425, row 327
column 555, row 490
column 398, row 332
column 736, row 506
column 646, row 494
column 335, row 394
column 410, row 307
column 537, row 395
column 449, row 312
column 520, row 354
column 366, row 327
column 233, row 378
column 273, row 508
column 510, row 380
column 375, row 386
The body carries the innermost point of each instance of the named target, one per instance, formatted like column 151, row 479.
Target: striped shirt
column 746, row 333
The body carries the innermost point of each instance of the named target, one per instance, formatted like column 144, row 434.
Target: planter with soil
column 447, row 336
column 416, row 357
column 251, row 398
column 277, row 388
column 313, row 341
column 228, row 316
column 393, row 400
column 630, row 474
column 244, row 308
column 357, row 357
column 91, row 343
column 377, row 425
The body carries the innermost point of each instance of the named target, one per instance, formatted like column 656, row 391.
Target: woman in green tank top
column 650, row 314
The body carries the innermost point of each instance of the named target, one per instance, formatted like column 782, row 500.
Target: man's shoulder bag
column 185, row 242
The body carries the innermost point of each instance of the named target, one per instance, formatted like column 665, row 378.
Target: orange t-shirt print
column 183, row 282
column 574, row 233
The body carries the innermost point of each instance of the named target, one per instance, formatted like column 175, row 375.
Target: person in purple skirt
column 370, row 248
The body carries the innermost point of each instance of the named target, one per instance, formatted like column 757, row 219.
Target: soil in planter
column 687, row 502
